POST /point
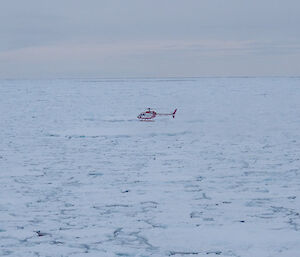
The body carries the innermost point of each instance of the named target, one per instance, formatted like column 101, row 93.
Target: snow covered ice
column 81, row 176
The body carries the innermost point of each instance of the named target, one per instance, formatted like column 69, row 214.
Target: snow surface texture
column 81, row 176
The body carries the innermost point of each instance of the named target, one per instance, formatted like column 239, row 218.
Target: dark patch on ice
column 118, row 205
column 169, row 134
column 53, row 135
column 132, row 238
column 196, row 214
column 294, row 224
column 6, row 252
column 117, row 232
column 148, row 206
column 192, row 188
column 203, row 197
column 183, row 253
column 258, row 202
column 152, row 224
column 86, row 247
column 61, row 228
column 69, row 205
column 199, row 178
column 149, row 202
column 82, row 136
column 293, row 216
column 39, row 233
column 226, row 202
column 208, row 219
column 95, row 174
column 214, row 252
column 54, row 242
column 123, row 254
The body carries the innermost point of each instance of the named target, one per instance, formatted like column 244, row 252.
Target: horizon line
column 157, row 77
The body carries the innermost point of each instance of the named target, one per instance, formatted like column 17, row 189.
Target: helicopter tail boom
column 165, row 114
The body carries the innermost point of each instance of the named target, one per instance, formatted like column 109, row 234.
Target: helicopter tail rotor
column 173, row 114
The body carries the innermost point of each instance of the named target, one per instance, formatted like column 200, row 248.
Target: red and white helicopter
column 149, row 114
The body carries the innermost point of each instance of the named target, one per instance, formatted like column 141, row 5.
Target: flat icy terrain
column 221, row 179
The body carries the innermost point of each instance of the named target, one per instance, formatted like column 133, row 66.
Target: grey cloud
column 173, row 27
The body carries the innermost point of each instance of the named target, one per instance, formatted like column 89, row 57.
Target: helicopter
column 150, row 114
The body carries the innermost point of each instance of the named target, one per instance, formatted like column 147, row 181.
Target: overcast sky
column 149, row 38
